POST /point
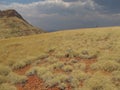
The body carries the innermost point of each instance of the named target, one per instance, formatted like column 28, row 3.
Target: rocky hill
column 12, row 24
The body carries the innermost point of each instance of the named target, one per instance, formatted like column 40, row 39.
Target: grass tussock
column 106, row 65
column 99, row 82
column 67, row 68
column 7, row 86
column 3, row 79
column 116, row 78
column 4, row 70
column 56, row 80
column 15, row 78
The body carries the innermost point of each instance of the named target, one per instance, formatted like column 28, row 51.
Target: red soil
column 22, row 70
column 34, row 83
column 88, row 64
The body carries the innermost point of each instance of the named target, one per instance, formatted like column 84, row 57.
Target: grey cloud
column 70, row 0
column 67, row 14
column 109, row 6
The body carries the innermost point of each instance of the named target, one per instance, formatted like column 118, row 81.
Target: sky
column 52, row 15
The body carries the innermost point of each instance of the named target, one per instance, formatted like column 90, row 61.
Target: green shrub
column 7, row 86
column 4, row 70
column 105, row 65
column 15, row 78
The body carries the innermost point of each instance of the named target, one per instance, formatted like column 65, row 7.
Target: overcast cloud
column 68, row 14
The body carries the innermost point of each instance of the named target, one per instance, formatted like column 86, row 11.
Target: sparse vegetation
column 99, row 82
column 3, row 79
column 65, row 59
column 7, row 86
column 15, row 78
column 106, row 65
column 56, row 80
column 4, row 70
column 67, row 68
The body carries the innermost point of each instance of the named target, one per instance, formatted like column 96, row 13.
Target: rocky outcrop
column 10, row 13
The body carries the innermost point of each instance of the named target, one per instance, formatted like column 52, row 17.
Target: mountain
column 12, row 24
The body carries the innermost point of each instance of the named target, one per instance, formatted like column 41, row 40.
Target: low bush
column 4, row 70
column 74, row 82
column 19, row 65
column 51, row 60
column 32, row 71
column 116, row 78
column 106, row 65
column 3, row 79
column 56, row 80
column 67, row 68
column 58, row 65
column 80, row 66
column 6, row 86
column 47, row 76
column 59, row 54
column 15, row 78
column 88, row 53
column 99, row 82
column 41, row 71
column 62, row 86
column 108, row 56
column 74, row 61
column 76, row 77
column 116, row 75
column 80, row 75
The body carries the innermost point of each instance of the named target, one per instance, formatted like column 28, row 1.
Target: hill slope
column 12, row 24
column 86, row 59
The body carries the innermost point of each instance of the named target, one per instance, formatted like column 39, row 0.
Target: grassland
column 86, row 59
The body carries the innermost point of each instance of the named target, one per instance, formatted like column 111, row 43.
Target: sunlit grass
column 65, row 57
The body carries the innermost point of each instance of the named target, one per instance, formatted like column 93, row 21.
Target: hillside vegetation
column 85, row 59
column 13, row 25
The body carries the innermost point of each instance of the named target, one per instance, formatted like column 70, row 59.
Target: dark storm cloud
column 68, row 14
column 70, row 0
column 109, row 6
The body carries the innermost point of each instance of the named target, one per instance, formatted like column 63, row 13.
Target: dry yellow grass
column 101, row 44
